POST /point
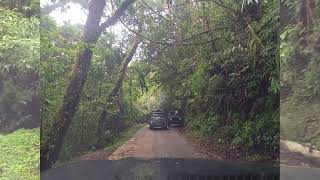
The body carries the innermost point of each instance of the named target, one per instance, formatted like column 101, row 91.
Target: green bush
column 19, row 155
column 19, row 57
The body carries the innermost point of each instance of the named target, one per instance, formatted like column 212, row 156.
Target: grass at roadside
column 300, row 122
column 215, row 146
column 19, row 155
column 124, row 136
column 111, row 147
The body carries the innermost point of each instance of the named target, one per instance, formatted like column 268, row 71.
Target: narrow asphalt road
column 148, row 143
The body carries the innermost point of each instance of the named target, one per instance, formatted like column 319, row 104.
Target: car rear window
column 157, row 114
column 174, row 113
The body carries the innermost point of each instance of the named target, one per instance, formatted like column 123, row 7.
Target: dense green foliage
column 229, row 87
column 59, row 45
column 28, row 8
column 19, row 155
column 123, row 137
column 19, row 102
column 300, row 72
column 19, row 55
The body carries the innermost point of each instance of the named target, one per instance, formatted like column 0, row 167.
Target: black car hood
column 167, row 169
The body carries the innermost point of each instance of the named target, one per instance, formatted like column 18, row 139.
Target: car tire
column 150, row 127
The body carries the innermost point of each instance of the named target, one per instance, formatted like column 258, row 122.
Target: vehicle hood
column 158, row 169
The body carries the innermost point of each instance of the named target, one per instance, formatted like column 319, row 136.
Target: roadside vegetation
column 19, row 81
column 300, row 72
column 124, row 137
column 108, row 149
column 20, row 154
column 228, row 88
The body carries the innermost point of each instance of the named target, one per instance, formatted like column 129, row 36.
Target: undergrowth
column 19, row 155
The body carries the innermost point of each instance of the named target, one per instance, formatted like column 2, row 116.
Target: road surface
column 148, row 143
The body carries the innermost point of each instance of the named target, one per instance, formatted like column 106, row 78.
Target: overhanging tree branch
column 114, row 92
column 160, row 15
column 124, row 66
column 49, row 8
column 177, row 43
column 183, row 4
column 60, row 4
column 116, row 15
column 222, row 5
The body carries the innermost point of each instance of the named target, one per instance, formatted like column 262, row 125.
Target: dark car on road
column 158, row 119
column 175, row 118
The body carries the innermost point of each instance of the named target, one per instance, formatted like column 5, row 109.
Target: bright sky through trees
column 75, row 14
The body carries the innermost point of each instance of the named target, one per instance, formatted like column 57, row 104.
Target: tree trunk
column 115, row 91
column 123, row 68
column 52, row 144
column 307, row 14
column 130, row 95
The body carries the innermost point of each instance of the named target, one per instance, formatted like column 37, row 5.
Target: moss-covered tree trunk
column 52, row 141
column 124, row 66
column 114, row 93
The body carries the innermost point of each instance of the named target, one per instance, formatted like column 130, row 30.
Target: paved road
column 148, row 143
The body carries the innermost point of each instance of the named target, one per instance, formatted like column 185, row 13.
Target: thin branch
column 178, row 43
column 213, row 1
column 116, row 15
column 125, row 63
column 222, row 5
column 205, row 32
column 49, row 8
column 160, row 15
column 314, row 135
column 124, row 66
